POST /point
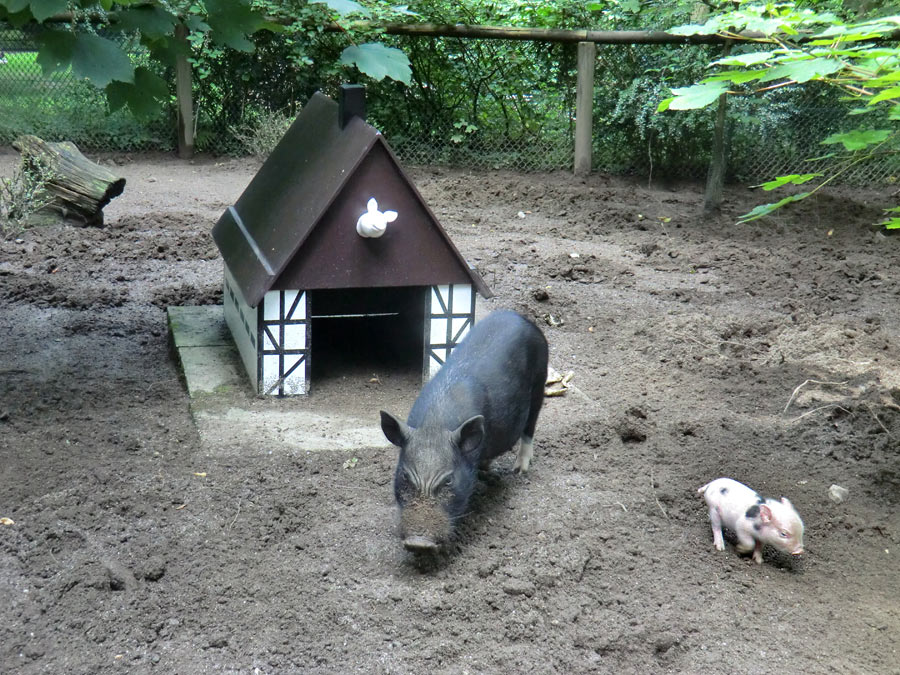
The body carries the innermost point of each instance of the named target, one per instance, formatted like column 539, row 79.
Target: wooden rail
column 610, row 37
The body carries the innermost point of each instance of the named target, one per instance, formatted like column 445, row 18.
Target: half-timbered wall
column 284, row 339
column 449, row 316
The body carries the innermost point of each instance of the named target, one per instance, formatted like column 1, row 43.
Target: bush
column 259, row 135
column 23, row 194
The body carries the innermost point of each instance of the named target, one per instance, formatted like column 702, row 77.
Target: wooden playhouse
column 331, row 252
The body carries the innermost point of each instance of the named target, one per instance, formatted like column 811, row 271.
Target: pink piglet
column 756, row 521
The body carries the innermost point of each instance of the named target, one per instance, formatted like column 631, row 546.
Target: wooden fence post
column 584, row 107
column 184, row 94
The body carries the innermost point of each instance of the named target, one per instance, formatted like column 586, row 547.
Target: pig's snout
column 419, row 544
column 798, row 551
column 424, row 526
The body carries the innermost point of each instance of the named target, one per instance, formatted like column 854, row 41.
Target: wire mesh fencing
column 502, row 105
column 59, row 106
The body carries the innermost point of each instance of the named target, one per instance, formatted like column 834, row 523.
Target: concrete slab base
column 205, row 350
column 231, row 418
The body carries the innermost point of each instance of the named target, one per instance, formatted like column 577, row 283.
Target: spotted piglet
column 755, row 521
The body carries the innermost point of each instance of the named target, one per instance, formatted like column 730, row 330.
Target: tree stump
column 79, row 187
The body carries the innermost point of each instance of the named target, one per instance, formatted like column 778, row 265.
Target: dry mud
column 767, row 352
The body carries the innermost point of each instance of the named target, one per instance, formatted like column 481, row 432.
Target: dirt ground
column 766, row 352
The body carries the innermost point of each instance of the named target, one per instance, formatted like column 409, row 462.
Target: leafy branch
column 220, row 24
column 807, row 46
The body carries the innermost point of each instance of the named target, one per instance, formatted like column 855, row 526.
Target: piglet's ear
column 394, row 430
column 765, row 513
column 469, row 435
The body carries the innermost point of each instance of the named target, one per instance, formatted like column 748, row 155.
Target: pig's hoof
column 523, row 458
column 420, row 545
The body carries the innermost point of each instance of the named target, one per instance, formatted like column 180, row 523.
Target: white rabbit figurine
column 373, row 222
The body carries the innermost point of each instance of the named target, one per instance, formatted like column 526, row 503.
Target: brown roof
column 295, row 224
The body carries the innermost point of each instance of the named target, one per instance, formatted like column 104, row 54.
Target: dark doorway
column 361, row 332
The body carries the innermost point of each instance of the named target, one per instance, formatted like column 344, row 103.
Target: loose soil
column 766, row 352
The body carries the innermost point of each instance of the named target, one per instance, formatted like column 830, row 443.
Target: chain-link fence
column 488, row 117
column 60, row 106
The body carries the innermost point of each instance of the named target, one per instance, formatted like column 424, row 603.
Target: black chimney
column 351, row 103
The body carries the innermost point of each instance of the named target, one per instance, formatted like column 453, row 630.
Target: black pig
column 484, row 399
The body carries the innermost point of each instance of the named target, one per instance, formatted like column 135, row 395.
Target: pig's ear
column 469, row 435
column 765, row 513
column 395, row 430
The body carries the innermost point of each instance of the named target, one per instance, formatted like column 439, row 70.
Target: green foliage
column 628, row 134
column 212, row 27
column 518, row 95
column 809, row 46
column 57, row 108
column 99, row 60
column 793, row 179
column 230, row 21
column 23, row 194
column 858, row 139
column 766, row 209
column 473, row 101
column 495, row 89
column 695, row 96
column 670, row 145
column 103, row 61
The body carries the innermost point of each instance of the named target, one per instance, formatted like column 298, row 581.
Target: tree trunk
column 184, row 94
column 79, row 187
column 718, row 163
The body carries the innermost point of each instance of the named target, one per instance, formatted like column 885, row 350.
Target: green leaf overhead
column 151, row 21
column 344, row 7
column 15, row 6
column 803, row 70
column 695, row 96
column 91, row 56
column 749, row 59
column 766, row 209
column 736, row 76
column 377, row 61
column 44, row 9
column 56, row 47
column 230, row 22
column 100, row 60
column 143, row 97
column 858, row 139
column 887, row 94
column 801, row 45
column 793, row 179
